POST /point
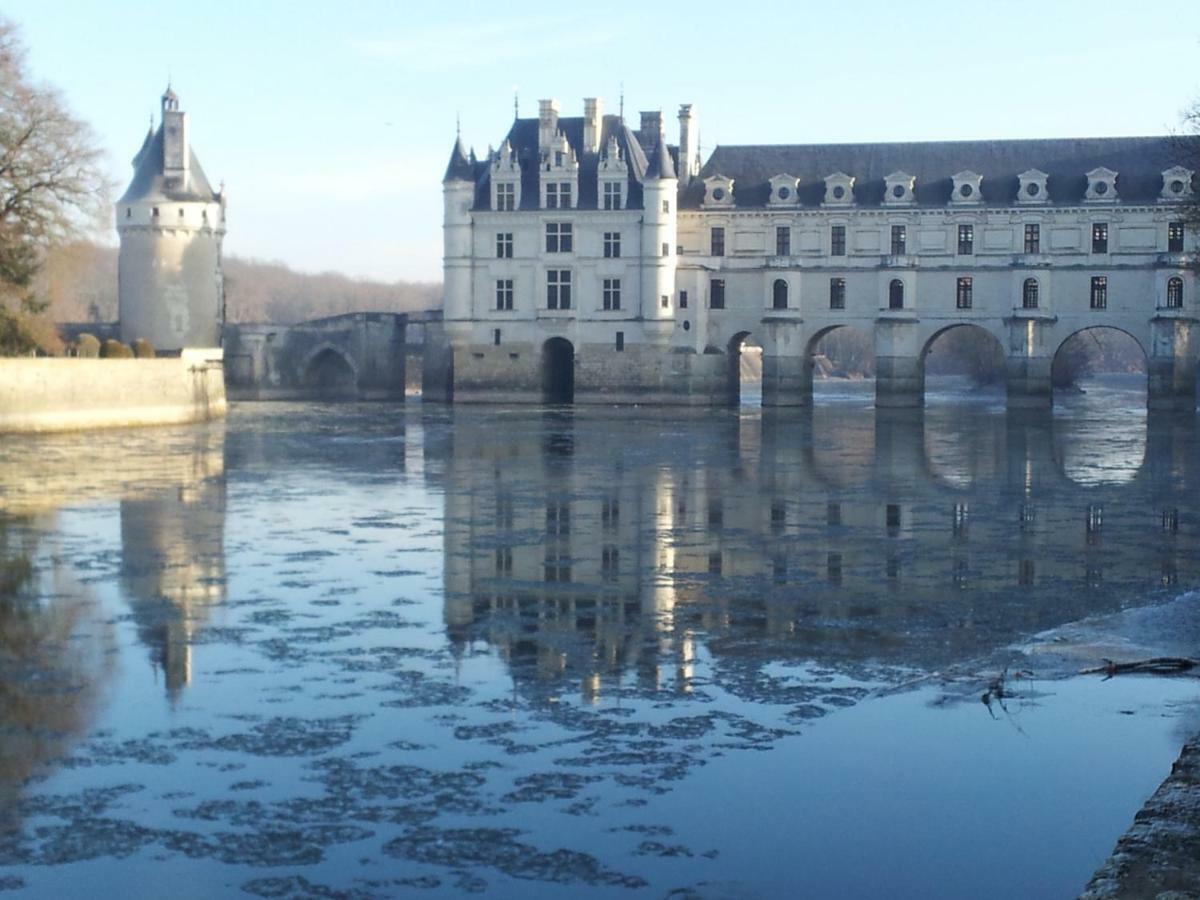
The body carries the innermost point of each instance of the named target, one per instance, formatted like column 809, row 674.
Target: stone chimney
column 593, row 116
column 652, row 127
column 688, row 134
column 547, row 122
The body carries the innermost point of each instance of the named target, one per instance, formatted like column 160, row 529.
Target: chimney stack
column 547, row 122
column 689, row 163
column 593, row 116
column 652, row 128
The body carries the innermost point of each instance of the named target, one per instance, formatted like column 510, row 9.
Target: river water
column 376, row 650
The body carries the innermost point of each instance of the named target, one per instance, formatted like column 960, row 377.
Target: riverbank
column 44, row 395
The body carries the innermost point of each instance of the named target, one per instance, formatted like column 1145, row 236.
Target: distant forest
column 80, row 281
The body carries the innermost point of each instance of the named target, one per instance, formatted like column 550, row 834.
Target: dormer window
column 1177, row 184
column 718, row 191
column 783, row 190
column 1032, row 188
column 1102, row 185
column 966, row 188
column 613, row 175
column 506, row 179
column 839, row 189
column 505, row 196
column 898, row 189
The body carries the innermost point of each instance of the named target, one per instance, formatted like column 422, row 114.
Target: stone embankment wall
column 69, row 394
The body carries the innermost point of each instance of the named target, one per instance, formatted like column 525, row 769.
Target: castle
column 588, row 261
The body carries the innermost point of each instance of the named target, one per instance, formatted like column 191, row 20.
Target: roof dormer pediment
column 718, row 191
column 783, row 190
column 899, row 188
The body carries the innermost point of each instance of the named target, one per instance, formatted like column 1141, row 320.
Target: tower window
column 1033, row 238
column 558, row 289
column 612, row 244
column 837, row 293
column 155, row 212
column 962, row 294
column 837, row 240
column 666, row 206
column 683, row 300
column 611, row 293
column 1174, row 293
column 1099, row 297
column 664, row 301
column 1100, row 237
column 716, row 294
column 128, row 212
column 718, row 241
column 181, row 212
column 666, row 249
column 899, row 240
column 1029, row 294
column 966, row 240
column 1175, row 237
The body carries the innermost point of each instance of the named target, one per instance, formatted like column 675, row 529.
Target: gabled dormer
column 966, row 188
column 898, row 189
column 558, row 174
column 718, row 192
column 1031, row 188
column 783, row 190
column 839, row 189
column 506, row 179
column 612, row 176
column 1102, row 186
column 1177, row 184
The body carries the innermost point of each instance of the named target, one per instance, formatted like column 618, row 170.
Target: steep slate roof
column 523, row 136
column 1139, row 162
column 149, row 182
column 459, row 168
column 661, row 164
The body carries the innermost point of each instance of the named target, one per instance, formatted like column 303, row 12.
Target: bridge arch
column 964, row 348
column 329, row 372
column 558, row 371
column 1075, row 357
column 734, row 372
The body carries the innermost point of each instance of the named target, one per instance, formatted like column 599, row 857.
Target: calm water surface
column 364, row 651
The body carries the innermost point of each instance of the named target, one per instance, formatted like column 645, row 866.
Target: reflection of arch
column 558, row 371
column 330, row 371
column 896, row 294
column 779, row 294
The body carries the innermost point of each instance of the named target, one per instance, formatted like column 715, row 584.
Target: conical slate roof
column 459, row 168
column 661, row 164
column 149, row 182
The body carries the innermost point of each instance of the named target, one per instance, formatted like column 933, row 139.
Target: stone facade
column 588, row 260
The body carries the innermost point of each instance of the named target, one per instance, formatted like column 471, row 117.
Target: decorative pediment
column 1032, row 189
column 966, row 188
column 1102, row 185
column 899, row 190
column 1177, row 183
column 612, row 162
column 718, row 191
column 558, row 158
column 783, row 190
column 839, row 189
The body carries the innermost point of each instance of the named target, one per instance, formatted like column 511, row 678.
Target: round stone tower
column 171, row 224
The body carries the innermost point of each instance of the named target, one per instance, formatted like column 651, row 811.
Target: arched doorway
column 843, row 363
column 1103, row 364
column 744, row 356
column 558, row 371
column 330, row 374
column 962, row 360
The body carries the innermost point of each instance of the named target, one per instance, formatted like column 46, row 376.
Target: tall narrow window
column 962, row 293
column 718, row 241
column 496, row 336
column 837, row 293
column 612, row 195
column 899, row 240
column 558, row 289
column 716, row 294
column 683, row 300
column 504, row 293
column 620, row 344
column 896, row 294
column 504, row 245
column 1174, row 293
column 783, row 240
column 966, row 240
column 1100, row 237
column 612, row 244
column 1175, row 237
column 1029, row 294
column 559, row 237
column 1033, row 238
column 1099, row 292
column 611, row 293
column 837, row 240
column 779, row 294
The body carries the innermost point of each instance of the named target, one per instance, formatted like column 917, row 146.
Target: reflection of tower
column 173, row 563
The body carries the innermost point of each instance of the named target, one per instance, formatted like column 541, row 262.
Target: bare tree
column 1188, row 146
column 51, row 188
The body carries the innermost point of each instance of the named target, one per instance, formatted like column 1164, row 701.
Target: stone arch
column 329, row 372
column 986, row 368
column 733, row 367
column 1062, row 367
column 814, row 342
column 558, row 371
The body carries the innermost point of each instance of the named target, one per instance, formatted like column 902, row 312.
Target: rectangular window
column 611, row 293
column 506, row 197
column 718, row 242
column 1029, row 294
column 1100, row 237
column 558, row 195
column 837, row 240
column 1175, row 237
column 664, row 301
column 783, row 241
column 504, row 293
column 558, row 289
column 620, row 341
column 837, row 293
column 1175, row 293
column 666, row 249
column 666, row 206
column 496, row 336
column 966, row 240
column 1033, row 238
column 683, row 300
column 610, row 563
column 1099, row 292
column 504, row 245
column 716, row 294
column 899, row 240
column 962, row 294
column 612, row 244
column 559, row 237
column 612, row 195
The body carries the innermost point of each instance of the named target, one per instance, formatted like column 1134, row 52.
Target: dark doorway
column 330, row 375
column 558, row 371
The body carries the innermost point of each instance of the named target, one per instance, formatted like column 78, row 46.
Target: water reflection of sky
column 394, row 650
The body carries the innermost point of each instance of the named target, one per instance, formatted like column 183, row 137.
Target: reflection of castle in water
column 598, row 546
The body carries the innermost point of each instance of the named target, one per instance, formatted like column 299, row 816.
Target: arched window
column 896, row 294
column 779, row 294
column 1029, row 294
column 1174, row 293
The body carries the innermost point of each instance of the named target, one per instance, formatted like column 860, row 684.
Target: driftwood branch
column 1159, row 665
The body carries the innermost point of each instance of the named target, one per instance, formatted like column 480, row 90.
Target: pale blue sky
column 331, row 122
